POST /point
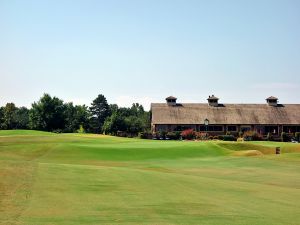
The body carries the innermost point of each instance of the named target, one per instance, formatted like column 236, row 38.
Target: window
column 271, row 129
column 211, row 128
column 231, row 128
column 218, row 128
column 161, row 127
column 202, row 128
column 245, row 128
column 291, row 129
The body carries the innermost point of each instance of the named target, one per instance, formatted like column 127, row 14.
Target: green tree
column 146, row 117
column 76, row 116
column 9, row 116
column 22, row 118
column 143, row 121
column 47, row 114
column 114, row 123
column 130, row 120
column 99, row 111
column 124, row 111
column 1, row 117
column 134, row 125
column 137, row 110
column 113, row 108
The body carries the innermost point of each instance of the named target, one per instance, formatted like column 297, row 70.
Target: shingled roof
column 288, row 114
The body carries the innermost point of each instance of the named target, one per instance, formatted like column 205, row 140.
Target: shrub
column 210, row 137
column 162, row 134
column 178, row 134
column 241, row 134
column 257, row 136
column 57, row 131
column 145, row 135
column 221, row 137
column 81, row 130
column 240, row 139
column 216, row 137
column 188, row 134
column 155, row 135
column 297, row 136
column 201, row 136
column 229, row 138
column 270, row 137
column 285, row 137
column 125, row 134
column 252, row 136
column 121, row 134
column 174, row 135
column 142, row 135
column 159, row 135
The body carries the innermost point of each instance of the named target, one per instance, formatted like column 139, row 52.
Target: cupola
column 272, row 101
column 213, row 101
column 171, row 100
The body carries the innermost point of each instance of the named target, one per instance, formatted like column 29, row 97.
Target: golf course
column 72, row 179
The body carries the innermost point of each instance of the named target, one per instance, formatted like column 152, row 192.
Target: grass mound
column 248, row 153
column 285, row 147
column 247, row 146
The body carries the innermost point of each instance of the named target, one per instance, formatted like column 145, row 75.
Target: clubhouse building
column 217, row 118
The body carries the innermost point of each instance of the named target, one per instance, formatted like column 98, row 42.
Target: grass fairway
column 71, row 179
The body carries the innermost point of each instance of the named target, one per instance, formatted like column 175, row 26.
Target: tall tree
column 114, row 123
column 130, row 120
column 76, row 116
column 113, row 108
column 22, row 118
column 136, row 109
column 99, row 112
column 47, row 114
column 1, row 117
column 9, row 116
column 139, row 120
column 134, row 125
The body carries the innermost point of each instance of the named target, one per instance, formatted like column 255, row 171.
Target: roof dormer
column 213, row 101
column 272, row 101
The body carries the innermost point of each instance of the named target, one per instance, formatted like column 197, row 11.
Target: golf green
column 71, row 179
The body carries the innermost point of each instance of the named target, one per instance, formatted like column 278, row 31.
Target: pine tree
column 99, row 112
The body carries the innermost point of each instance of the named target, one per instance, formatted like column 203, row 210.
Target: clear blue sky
column 241, row 51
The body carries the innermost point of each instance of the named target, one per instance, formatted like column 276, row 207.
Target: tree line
column 54, row 115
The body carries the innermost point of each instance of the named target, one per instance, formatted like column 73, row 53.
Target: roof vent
column 213, row 101
column 171, row 100
column 272, row 101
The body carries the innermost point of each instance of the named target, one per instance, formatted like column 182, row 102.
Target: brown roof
column 225, row 114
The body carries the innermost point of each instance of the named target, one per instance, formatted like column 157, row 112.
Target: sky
column 145, row 50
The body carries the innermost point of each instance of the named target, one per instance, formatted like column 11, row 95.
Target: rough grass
column 92, row 179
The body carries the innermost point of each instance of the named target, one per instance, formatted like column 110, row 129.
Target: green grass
column 70, row 179
column 23, row 132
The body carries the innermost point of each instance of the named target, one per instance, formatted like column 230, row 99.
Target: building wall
column 261, row 129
